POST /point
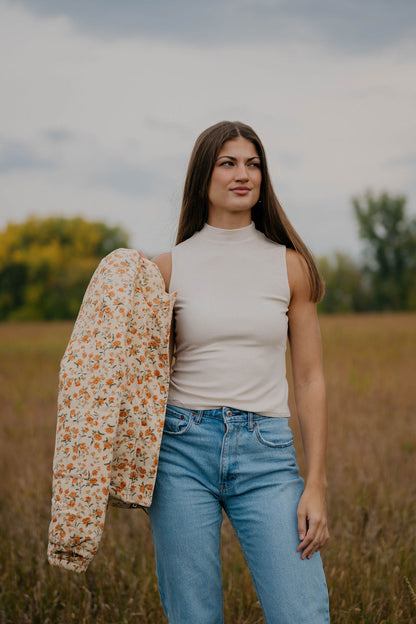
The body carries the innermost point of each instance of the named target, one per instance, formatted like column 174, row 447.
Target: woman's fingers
column 316, row 536
column 302, row 526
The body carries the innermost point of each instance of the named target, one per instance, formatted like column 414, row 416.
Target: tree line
column 46, row 264
column 385, row 279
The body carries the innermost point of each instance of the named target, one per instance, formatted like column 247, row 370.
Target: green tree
column 345, row 286
column 46, row 264
column 390, row 251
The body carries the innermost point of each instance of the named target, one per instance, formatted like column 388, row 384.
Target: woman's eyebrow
column 233, row 157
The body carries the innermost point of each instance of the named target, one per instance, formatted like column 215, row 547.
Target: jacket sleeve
column 90, row 388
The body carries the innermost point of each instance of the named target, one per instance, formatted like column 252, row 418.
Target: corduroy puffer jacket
column 113, row 389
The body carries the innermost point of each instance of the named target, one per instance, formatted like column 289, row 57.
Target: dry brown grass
column 370, row 564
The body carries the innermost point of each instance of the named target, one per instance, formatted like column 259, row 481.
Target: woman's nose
column 241, row 173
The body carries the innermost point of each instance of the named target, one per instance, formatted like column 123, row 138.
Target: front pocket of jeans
column 176, row 423
column 271, row 434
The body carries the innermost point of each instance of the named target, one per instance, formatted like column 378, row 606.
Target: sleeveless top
column 231, row 321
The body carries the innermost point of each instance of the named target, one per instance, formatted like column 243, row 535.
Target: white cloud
column 101, row 110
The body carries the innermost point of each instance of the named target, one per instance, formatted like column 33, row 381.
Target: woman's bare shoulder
column 164, row 262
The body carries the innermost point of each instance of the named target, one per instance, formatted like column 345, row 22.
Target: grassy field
column 370, row 560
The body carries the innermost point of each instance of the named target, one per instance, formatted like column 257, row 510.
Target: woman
column 245, row 282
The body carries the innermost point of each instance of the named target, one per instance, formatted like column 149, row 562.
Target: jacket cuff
column 76, row 559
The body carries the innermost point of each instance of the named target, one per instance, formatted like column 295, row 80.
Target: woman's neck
column 228, row 221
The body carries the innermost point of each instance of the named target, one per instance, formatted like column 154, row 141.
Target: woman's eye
column 230, row 163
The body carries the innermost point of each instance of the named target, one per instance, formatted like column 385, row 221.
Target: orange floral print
column 113, row 388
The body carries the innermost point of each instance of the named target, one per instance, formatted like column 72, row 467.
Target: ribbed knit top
column 231, row 321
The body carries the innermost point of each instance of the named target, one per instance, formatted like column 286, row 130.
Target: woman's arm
column 310, row 398
column 164, row 262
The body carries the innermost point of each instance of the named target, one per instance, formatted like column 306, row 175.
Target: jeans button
column 229, row 413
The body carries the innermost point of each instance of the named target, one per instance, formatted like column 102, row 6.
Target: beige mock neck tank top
column 231, row 321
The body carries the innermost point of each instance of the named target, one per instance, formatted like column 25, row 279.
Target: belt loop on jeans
column 198, row 416
column 250, row 421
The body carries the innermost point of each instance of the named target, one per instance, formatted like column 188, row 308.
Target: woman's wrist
column 316, row 482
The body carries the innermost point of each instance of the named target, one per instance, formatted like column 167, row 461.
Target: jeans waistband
column 224, row 413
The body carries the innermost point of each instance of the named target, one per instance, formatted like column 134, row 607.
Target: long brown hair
column 268, row 215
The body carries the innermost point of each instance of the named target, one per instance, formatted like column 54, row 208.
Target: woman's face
column 236, row 177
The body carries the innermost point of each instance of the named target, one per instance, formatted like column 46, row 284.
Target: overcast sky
column 101, row 102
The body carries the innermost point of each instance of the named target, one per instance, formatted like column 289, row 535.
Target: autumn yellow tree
column 46, row 264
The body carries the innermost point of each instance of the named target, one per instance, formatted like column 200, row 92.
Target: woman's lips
column 242, row 190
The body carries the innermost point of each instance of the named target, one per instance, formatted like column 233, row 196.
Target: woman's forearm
column 310, row 398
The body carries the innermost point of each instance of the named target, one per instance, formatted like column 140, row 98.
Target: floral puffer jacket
column 113, row 389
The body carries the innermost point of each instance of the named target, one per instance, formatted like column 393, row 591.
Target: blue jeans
column 244, row 463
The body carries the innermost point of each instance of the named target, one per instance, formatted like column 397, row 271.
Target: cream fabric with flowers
column 113, row 388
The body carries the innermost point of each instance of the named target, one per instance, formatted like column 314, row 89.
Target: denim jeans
column 244, row 463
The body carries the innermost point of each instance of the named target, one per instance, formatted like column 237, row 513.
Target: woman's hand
column 312, row 520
